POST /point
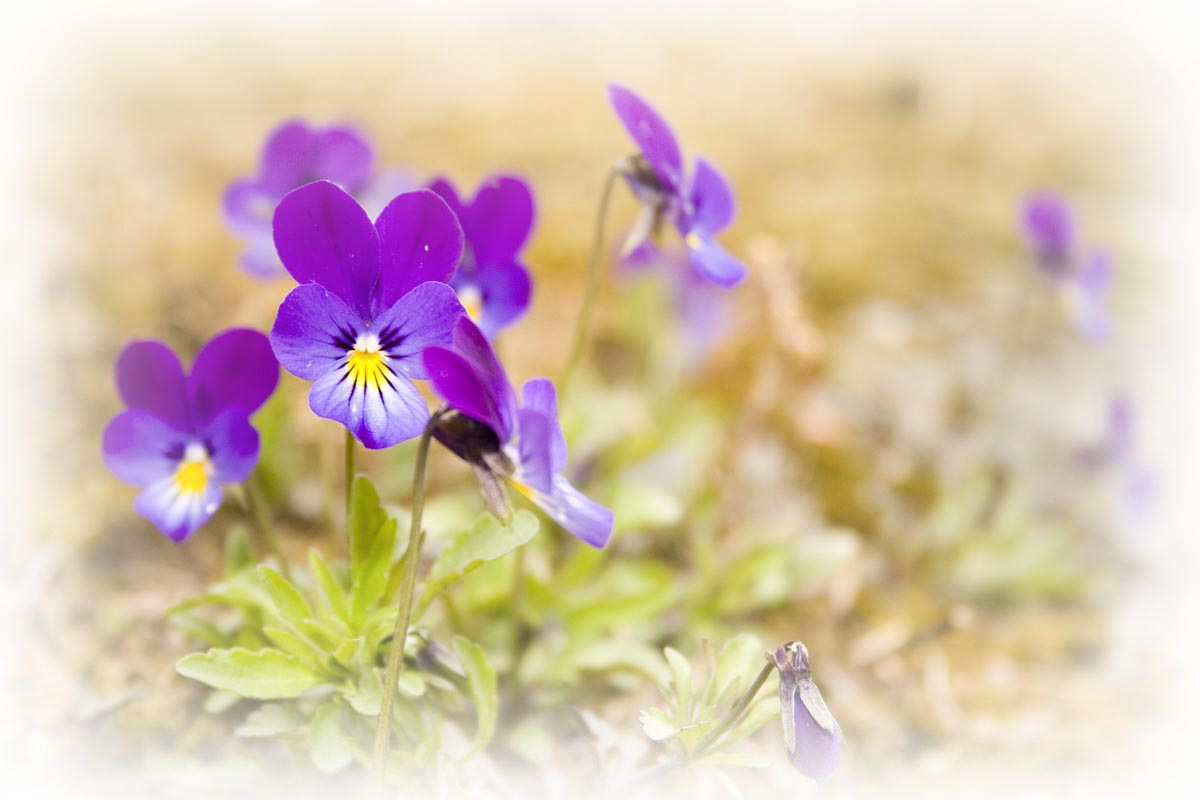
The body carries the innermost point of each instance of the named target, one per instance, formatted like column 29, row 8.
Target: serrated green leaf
column 366, row 694
column 292, row 644
column 327, row 743
column 220, row 700
column 410, row 683
column 262, row 675
column 365, row 518
column 738, row 662
column 332, row 593
column 487, row 540
column 290, row 605
column 481, row 682
column 347, row 650
column 657, row 724
column 271, row 719
column 681, row 672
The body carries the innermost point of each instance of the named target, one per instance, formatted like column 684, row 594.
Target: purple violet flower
column 1087, row 297
column 294, row 154
column 810, row 733
column 182, row 437
column 371, row 298
column 491, row 281
column 1117, row 452
column 1049, row 228
column 699, row 207
column 504, row 441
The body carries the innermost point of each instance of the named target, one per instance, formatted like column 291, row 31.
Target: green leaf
column 738, row 662
column 289, row 603
column 271, row 719
column 366, row 694
column 370, row 574
column 263, row 675
column 657, row 724
column 331, row 591
column 481, row 681
column 681, row 670
column 327, row 742
column 292, row 644
column 487, row 540
column 365, row 518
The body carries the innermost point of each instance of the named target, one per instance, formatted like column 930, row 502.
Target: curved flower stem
column 593, row 282
column 408, row 582
column 260, row 518
column 735, row 714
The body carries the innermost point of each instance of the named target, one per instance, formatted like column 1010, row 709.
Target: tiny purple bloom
column 181, row 437
column 294, row 154
column 699, row 208
column 506, row 441
column 1117, row 453
column 1049, row 229
column 1087, row 295
column 492, row 282
column 810, row 733
column 371, row 298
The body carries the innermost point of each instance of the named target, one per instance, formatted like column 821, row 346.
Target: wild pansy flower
column 294, row 154
column 181, row 437
column 810, row 733
column 371, row 298
column 491, row 281
column 699, row 207
column 503, row 441
column 1084, row 280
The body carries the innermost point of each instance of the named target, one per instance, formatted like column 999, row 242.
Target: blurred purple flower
column 699, row 208
column 1086, row 283
column 701, row 308
column 491, row 281
column 1117, row 452
column 371, row 298
column 504, row 441
column 294, row 154
column 182, row 437
column 810, row 733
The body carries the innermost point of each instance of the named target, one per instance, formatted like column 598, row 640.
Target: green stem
column 408, row 582
column 593, row 282
column 261, row 519
column 520, row 630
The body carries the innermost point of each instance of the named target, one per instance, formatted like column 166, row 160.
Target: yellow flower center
column 472, row 300
column 367, row 364
column 191, row 476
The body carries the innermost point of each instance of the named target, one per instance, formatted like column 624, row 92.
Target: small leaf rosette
column 181, row 437
column 506, row 442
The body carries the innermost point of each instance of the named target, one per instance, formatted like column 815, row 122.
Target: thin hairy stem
column 408, row 582
column 593, row 283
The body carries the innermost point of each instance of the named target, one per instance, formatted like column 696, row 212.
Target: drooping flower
column 810, row 733
column 506, row 441
column 181, row 437
column 699, row 206
column 371, row 298
column 492, row 282
column 294, row 154
column 1084, row 281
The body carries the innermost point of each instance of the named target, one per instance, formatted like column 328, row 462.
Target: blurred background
column 879, row 445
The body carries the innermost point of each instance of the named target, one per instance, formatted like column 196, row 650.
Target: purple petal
column 140, row 448
column 324, row 237
column 470, row 342
column 711, row 199
column 177, row 513
column 260, row 259
column 499, row 219
column 712, row 261
column 1049, row 228
column 420, row 240
column 539, row 395
column 534, row 434
column 461, row 385
column 232, row 443
column 380, row 414
column 314, row 331
column 651, row 134
column 445, row 189
column 341, row 155
column 236, row 369
column 248, row 208
column 150, row 377
column 383, row 187
column 578, row 515
column 1096, row 275
column 287, row 157
column 817, row 751
column 505, row 291
column 425, row 316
